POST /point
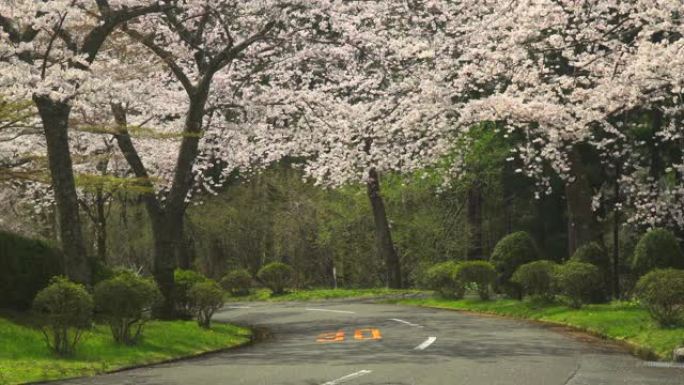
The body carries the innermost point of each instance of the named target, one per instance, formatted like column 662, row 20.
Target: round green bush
column 595, row 254
column 480, row 274
column 578, row 282
column 657, row 249
column 65, row 309
column 536, row 279
column 26, row 266
column 511, row 252
column 276, row 276
column 441, row 278
column 124, row 302
column 206, row 298
column 661, row 291
column 183, row 281
column 237, row 282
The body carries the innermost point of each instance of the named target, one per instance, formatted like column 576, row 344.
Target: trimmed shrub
column 537, row 279
column 442, row 278
column 658, row 248
column 662, row 292
column 124, row 302
column 511, row 252
column 26, row 266
column 595, row 254
column 237, row 282
column 206, row 298
column 66, row 311
column 480, row 274
column 184, row 280
column 578, row 281
column 276, row 276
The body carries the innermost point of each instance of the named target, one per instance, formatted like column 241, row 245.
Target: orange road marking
column 331, row 337
column 367, row 334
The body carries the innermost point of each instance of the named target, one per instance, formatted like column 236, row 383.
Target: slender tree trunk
column 616, row 234
column 475, row 221
column 582, row 225
column 383, row 234
column 101, row 225
column 55, row 118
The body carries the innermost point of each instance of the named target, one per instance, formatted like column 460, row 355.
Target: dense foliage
column 26, row 266
column 237, row 282
column 276, row 276
column 66, row 311
column 184, row 281
column 577, row 281
column 125, row 302
column 661, row 291
column 442, row 278
column 478, row 274
column 206, row 298
column 537, row 279
column 657, row 248
column 511, row 252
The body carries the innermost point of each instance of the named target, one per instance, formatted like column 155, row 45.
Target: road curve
column 355, row 343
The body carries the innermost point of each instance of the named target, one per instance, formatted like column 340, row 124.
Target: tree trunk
column 383, row 235
column 168, row 241
column 101, row 225
column 55, row 119
column 616, row 234
column 475, row 221
column 582, row 225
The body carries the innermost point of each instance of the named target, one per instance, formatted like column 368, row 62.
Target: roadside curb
column 639, row 351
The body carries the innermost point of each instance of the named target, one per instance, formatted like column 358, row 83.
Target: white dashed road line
column 426, row 343
column 238, row 307
column 406, row 322
column 332, row 311
column 348, row 377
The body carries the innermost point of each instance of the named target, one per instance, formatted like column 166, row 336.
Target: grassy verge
column 320, row 294
column 620, row 321
column 24, row 357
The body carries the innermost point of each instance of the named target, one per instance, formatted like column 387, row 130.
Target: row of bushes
column 451, row 279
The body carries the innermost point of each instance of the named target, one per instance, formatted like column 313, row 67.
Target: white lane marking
column 669, row 365
column 332, row 311
column 426, row 343
column 238, row 307
column 348, row 377
column 406, row 322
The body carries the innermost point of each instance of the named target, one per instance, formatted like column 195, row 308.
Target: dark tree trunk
column 475, row 221
column 383, row 234
column 582, row 225
column 168, row 242
column 616, row 234
column 55, row 119
column 101, row 225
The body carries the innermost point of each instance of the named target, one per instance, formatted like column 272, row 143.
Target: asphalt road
column 355, row 343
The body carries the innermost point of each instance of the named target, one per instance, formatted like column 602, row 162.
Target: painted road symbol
column 359, row 334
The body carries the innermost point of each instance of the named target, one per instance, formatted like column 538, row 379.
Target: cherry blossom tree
column 46, row 49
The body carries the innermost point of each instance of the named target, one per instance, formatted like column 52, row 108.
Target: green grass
column 320, row 294
column 622, row 321
column 24, row 356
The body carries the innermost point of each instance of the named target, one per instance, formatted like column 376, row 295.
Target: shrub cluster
column 511, row 252
column 657, row 249
column 478, row 274
column 661, row 291
column 441, row 278
column 578, row 282
column 237, row 282
column 206, row 298
column 184, row 280
column 26, row 266
column 66, row 311
column 537, row 279
column 276, row 276
column 125, row 302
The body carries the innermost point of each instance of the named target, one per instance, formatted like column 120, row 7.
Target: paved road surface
column 356, row 343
